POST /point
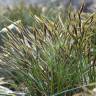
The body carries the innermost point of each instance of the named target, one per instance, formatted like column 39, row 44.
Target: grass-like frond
column 53, row 56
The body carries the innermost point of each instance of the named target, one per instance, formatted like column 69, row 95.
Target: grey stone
column 3, row 33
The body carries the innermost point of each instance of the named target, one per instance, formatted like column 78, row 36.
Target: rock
column 94, row 92
column 5, row 91
column 13, row 27
column 19, row 94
